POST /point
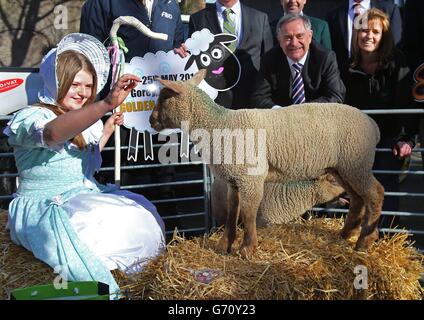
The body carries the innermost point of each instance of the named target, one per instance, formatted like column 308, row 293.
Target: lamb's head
column 328, row 188
column 175, row 102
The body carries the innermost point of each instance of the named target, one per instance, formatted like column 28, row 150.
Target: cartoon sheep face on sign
column 210, row 52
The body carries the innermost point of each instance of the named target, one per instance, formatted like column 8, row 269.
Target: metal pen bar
column 177, row 200
column 413, row 232
column 393, row 111
column 384, row 213
column 6, row 155
column 206, row 195
column 403, row 194
column 186, row 230
column 151, row 185
column 418, row 173
column 155, row 165
column 184, row 215
column 8, row 175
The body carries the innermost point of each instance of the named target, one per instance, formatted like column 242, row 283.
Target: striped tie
column 298, row 90
column 230, row 27
column 357, row 8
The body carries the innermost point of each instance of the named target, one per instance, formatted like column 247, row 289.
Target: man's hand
column 120, row 90
column 182, row 51
column 402, row 149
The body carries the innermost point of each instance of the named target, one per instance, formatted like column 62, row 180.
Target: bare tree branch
column 22, row 15
column 4, row 17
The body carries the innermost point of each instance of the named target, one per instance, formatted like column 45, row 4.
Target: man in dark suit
column 298, row 70
column 254, row 39
column 162, row 16
column 321, row 31
column 341, row 25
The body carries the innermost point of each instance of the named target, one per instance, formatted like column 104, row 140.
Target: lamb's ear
column 175, row 86
column 198, row 77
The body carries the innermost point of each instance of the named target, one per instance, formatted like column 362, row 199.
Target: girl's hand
column 115, row 119
column 120, row 90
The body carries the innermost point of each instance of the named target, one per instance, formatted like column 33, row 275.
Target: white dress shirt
column 149, row 6
column 235, row 16
column 291, row 63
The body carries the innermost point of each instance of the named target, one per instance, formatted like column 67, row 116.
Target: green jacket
column 321, row 32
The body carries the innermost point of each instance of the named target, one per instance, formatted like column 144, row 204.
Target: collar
column 301, row 13
column 302, row 61
column 236, row 8
column 148, row 4
column 366, row 4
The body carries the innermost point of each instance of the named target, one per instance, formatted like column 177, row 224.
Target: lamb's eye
column 205, row 59
column 216, row 53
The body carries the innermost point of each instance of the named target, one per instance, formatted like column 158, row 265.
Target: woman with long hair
column 379, row 78
column 67, row 219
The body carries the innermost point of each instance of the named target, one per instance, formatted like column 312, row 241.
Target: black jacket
column 256, row 40
column 97, row 17
column 414, row 32
column 388, row 88
column 321, row 78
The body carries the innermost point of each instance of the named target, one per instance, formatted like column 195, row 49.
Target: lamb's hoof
column 364, row 243
column 349, row 233
column 247, row 251
column 362, row 246
column 222, row 246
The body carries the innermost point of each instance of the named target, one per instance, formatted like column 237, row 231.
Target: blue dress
column 80, row 228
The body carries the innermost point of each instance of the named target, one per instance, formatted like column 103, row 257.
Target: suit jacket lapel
column 305, row 72
column 246, row 27
column 155, row 3
column 212, row 20
column 284, row 74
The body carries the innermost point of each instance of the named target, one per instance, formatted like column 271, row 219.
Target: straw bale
column 302, row 260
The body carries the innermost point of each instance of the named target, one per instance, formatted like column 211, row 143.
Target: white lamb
column 281, row 203
column 303, row 142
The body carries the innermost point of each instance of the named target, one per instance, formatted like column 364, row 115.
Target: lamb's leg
column 373, row 206
column 354, row 217
column 356, row 208
column 251, row 199
column 219, row 203
column 233, row 210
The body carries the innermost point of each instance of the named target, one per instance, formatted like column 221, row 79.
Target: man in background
column 254, row 39
column 321, row 31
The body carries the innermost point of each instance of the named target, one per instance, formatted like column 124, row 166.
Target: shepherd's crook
column 117, row 58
